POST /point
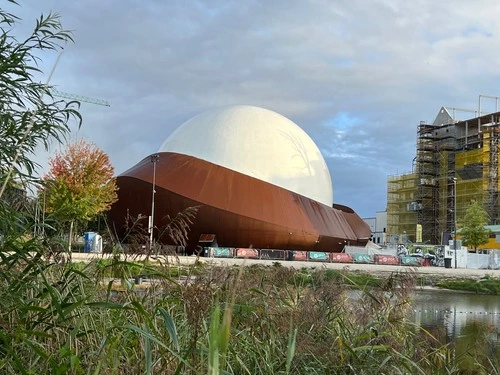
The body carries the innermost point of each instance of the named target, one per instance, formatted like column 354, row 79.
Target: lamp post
column 455, row 219
column 154, row 159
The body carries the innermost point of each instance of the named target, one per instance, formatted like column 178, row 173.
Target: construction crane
column 79, row 98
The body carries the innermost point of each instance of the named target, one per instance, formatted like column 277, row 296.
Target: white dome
column 259, row 143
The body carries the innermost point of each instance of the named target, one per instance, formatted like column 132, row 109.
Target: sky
column 358, row 76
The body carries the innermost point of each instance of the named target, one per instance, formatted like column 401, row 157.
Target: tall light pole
column 154, row 159
column 455, row 218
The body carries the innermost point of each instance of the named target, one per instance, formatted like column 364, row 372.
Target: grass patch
column 114, row 268
column 486, row 285
column 310, row 277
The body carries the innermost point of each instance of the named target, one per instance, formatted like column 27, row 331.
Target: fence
column 312, row 256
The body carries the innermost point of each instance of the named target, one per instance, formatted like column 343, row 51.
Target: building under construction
column 456, row 162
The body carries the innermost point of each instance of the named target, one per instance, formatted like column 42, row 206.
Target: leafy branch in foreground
column 26, row 118
column 33, row 298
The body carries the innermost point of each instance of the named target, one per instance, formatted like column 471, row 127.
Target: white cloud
column 387, row 63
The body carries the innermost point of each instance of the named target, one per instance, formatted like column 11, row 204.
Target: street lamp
column 455, row 218
column 154, row 159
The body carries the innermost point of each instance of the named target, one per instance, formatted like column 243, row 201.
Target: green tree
column 29, row 115
column 474, row 232
column 80, row 184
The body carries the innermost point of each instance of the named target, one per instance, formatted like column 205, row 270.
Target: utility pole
column 455, row 218
column 154, row 159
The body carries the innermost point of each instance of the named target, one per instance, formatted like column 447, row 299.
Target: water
column 458, row 314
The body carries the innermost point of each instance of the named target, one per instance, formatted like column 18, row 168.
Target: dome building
column 259, row 181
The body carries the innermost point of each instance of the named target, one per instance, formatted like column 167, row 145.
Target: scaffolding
column 427, row 168
column 492, row 140
column 477, row 164
column 401, row 213
column 456, row 162
column 444, row 220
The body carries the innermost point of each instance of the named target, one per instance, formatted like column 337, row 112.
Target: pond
column 460, row 316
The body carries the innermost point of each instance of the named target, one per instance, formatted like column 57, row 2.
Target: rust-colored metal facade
column 241, row 211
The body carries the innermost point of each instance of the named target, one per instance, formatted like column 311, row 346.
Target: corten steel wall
column 241, row 210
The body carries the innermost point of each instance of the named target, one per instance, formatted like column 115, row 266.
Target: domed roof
column 259, row 143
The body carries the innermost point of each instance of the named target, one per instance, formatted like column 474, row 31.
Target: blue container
column 88, row 238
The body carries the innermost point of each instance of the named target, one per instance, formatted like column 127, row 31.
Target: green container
column 362, row 258
column 318, row 256
column 410, row 261
column 222, row 252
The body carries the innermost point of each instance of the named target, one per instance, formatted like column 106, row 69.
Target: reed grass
column 66, row 319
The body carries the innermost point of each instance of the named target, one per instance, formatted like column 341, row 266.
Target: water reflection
column 469, row 322
column 453, row 311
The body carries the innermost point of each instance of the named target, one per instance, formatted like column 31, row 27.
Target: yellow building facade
column 456, row 162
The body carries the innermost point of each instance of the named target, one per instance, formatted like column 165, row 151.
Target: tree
column 474, row 233
column 79, row 185
column 29, row 116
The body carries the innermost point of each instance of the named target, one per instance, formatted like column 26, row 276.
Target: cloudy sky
column 358, row 76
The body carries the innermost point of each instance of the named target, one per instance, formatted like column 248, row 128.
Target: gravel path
column 381, row 270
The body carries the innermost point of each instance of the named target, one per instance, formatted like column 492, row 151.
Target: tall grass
column 67, row 319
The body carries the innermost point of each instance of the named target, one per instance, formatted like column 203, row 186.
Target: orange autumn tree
column 80, row 184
